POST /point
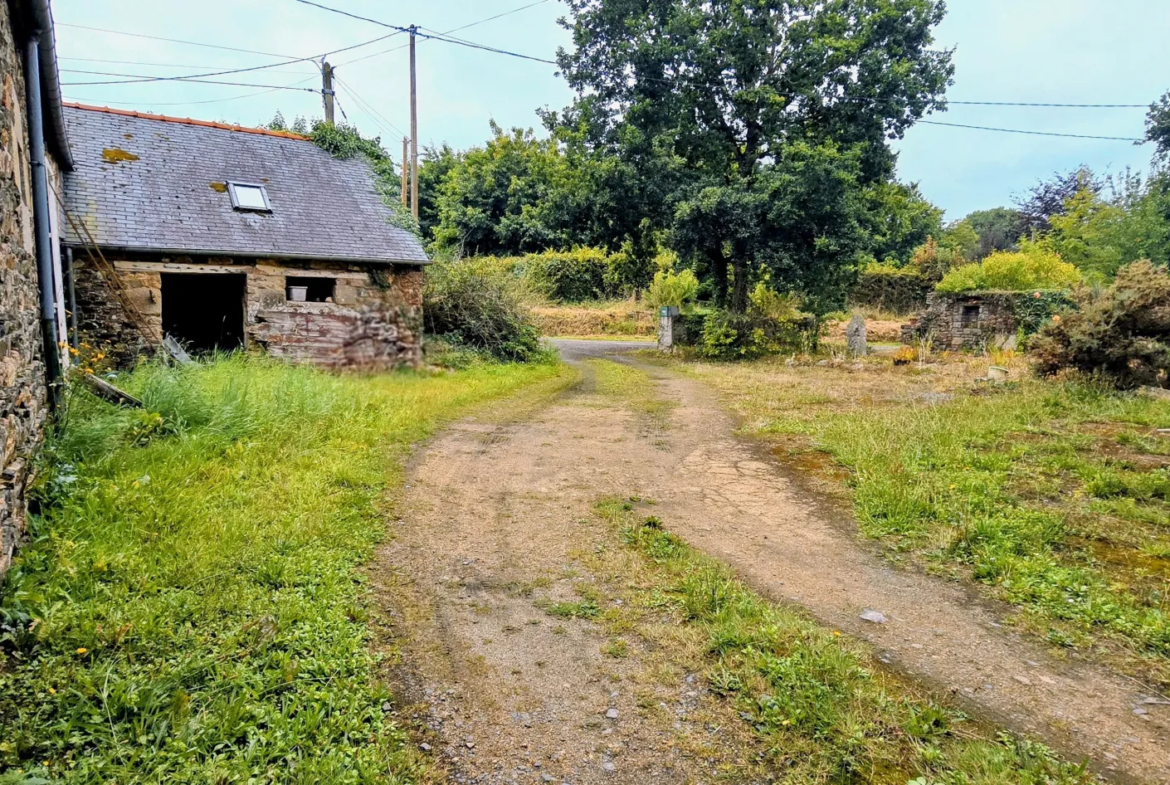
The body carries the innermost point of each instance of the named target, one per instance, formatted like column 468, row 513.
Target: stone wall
column 373, row 322
column 103, row 318
column 22, row 373
column 965, row 321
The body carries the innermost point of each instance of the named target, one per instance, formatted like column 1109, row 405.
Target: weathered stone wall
column 964, row 321
column 22, row 373
column 374, row 321
column 103, row 318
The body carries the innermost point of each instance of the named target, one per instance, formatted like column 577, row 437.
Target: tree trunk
column 739, row 268
column 718, row 264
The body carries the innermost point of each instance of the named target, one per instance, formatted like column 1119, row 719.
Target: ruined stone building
column 225, row 237
column 32, row 313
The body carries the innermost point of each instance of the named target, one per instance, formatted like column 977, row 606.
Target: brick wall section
column 964, row 321
column 365, row 327
column 22, row 374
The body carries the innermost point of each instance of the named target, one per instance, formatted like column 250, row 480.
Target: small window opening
column 970, row 315
column 309, row 289
column 249, row 197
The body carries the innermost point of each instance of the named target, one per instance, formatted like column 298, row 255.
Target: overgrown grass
column 610, row 319
column 189, row 607
column 1058, row 495
column 825, row 712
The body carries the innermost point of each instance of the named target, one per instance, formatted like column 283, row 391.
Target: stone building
column 32, row 313
column 225, row 237
column 973, row 320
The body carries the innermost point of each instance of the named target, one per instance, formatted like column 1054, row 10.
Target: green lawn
column 1056, row 495
column 190, row 607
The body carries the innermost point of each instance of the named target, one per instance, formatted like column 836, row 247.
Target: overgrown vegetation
column 824, row 710
column 1055, row 495
column 772, row 323
column 480, row 309
column 1121, row 333
column 345, row 141
column 189, row 607
column 1014, row 271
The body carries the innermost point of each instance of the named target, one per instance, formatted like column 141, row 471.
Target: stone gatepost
column 668, row 328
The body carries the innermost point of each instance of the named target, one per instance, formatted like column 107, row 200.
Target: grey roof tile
column 322, row 207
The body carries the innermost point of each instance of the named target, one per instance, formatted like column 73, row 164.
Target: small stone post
column 855, row 336
column 667, row 322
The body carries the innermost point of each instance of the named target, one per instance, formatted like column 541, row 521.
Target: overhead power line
column 202, row 81
column 189, row 77
column 369, row 109
column 387, row 25
column 147, row 64
column 1033, row 133
column 434, row 34
column 175, row 40
column 484, row 47
column 497, row 16
column 1057, row 106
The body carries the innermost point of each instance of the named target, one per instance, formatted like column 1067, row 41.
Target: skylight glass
column 246, row 196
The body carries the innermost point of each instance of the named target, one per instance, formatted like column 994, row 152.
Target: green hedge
column 895, row 289
column 579, row 275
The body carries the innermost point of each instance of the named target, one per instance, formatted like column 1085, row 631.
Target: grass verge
column 821, row 707
column 190, row 608
column 1056, row 495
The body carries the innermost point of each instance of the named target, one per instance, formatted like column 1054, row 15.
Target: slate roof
column 164, row 192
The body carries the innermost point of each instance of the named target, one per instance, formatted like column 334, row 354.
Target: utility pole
column 327, row 90
column 413, row 128
column 405, row 168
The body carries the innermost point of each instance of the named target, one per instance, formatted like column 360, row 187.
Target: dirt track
column 494, row 521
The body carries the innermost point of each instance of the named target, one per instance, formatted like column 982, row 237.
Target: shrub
column 1017, row 271
column 1121, row 333
column 772, row 324
column 933, row 261
column 677, row 289
column 479, row 310
column 889, row 288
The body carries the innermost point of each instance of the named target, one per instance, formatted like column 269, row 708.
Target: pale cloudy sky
column 1054, row 51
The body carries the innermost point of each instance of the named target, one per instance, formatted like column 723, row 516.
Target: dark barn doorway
column 204, row 311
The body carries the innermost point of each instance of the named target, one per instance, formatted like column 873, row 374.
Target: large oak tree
column 746, row 94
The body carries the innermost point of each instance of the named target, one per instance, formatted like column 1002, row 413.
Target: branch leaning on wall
column 107, row 271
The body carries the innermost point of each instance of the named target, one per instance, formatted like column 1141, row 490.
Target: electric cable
column 1033, row 133
column 139, row 78
column 368, row 107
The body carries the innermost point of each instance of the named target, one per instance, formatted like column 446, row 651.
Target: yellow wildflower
column 82, row 650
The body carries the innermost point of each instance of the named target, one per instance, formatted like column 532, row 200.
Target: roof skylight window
column 249, row 197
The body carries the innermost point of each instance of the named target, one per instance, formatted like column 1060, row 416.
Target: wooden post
column 413, row 128
column 405, row 168
column 327, row 90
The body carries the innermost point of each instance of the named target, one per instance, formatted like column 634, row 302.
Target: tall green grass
column 1004, row 482
column 825, row 712
column 189, row 608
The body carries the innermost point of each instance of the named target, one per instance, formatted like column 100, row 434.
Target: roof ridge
column 189, row 121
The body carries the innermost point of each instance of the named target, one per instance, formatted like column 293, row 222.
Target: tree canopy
column 761, row 101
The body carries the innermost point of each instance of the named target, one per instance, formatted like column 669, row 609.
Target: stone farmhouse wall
column 964, row 321
column 374, row 321
column 23, row 391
